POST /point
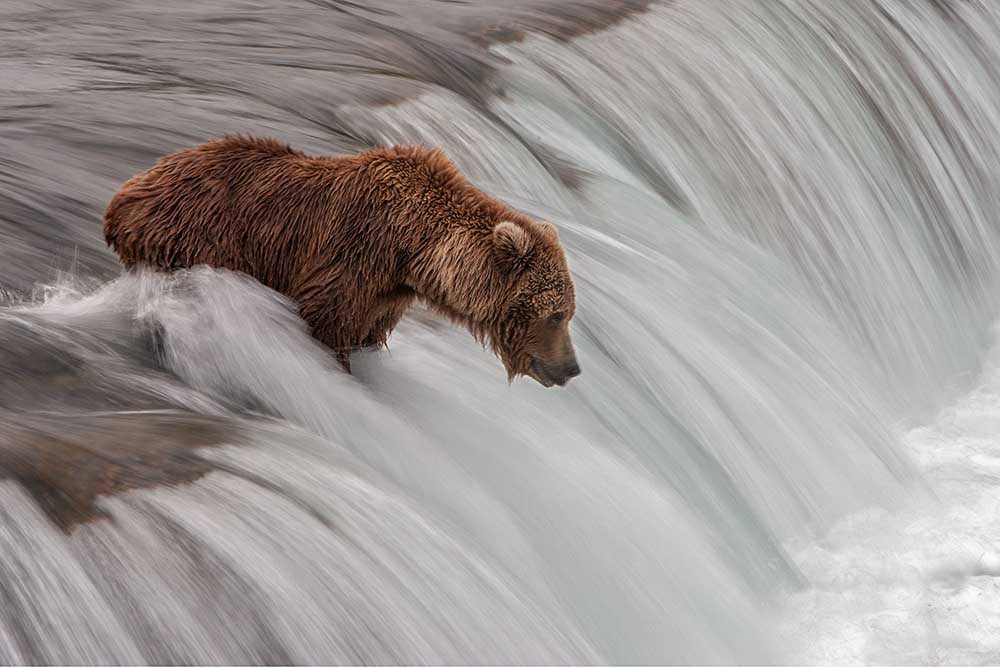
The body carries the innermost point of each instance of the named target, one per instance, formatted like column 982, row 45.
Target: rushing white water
column 781, row 220
column 919, row 586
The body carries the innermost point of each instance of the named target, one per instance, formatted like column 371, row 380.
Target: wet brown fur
column 353, row 240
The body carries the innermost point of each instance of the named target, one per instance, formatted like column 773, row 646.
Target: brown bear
column 354, row 240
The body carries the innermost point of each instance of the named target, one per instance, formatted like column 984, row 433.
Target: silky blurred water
column 781, row 220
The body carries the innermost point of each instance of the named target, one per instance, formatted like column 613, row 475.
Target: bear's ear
column 513, row 245
column 548, row 231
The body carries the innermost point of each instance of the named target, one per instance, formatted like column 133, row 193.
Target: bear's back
column 245, row 204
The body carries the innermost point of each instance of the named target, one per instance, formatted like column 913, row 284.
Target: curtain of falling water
column 781, row 221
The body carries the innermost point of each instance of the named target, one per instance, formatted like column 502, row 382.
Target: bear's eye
column 556, row 318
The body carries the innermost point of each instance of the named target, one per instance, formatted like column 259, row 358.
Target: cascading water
column 780, row 217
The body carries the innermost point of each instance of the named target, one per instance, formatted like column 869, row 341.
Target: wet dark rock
column 68, row 462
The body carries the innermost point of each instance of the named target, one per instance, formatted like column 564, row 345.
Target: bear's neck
column 456, row 273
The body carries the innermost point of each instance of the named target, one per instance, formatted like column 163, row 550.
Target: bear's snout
column 560, row 373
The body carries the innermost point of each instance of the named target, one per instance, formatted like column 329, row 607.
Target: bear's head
column 529, row 329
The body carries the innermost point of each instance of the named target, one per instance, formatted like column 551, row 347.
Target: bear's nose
column 567, row 372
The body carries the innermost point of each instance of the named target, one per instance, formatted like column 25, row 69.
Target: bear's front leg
column 344, row 357
column 325, row 327
column 329, row 312
column 389, row 310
